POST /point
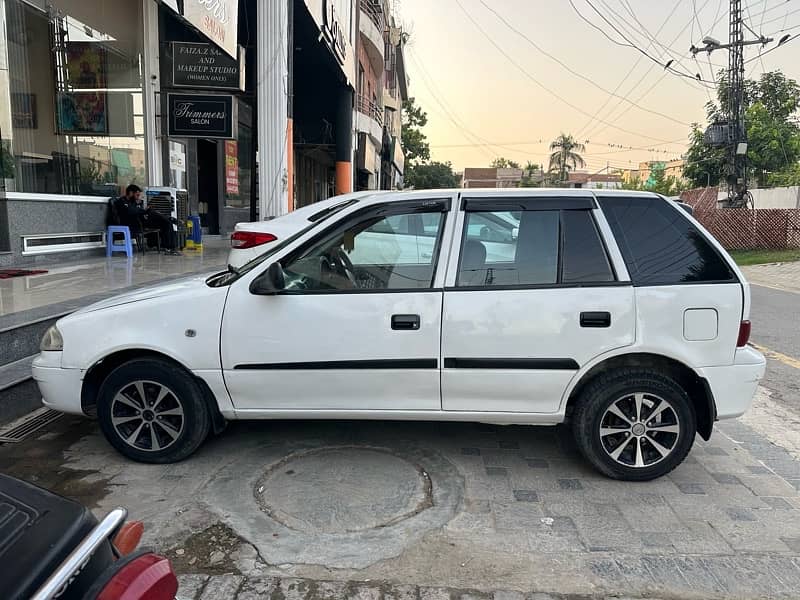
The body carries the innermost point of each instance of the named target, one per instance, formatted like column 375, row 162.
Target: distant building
column 491, row 177
column 594, row 181
column 671, row 168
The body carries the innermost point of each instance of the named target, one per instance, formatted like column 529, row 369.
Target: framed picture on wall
column 87, row 66
column 23, row 111
column 82, row 112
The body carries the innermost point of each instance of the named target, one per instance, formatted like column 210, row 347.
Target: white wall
column 786, row 197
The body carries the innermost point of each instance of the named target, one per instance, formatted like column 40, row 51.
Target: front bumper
column 734, row 386
column 60, row 388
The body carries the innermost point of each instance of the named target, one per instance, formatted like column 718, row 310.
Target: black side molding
column 400, row 363
column 530, row 203
column 545, row 364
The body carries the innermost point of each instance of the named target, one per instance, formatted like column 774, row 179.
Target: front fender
column 185, row 327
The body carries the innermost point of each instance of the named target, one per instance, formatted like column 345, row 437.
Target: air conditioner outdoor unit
column 169, row 202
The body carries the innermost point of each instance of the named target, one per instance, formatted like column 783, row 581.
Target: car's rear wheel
column 634, row 424
column 152, row 411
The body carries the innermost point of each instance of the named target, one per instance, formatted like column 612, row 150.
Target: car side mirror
column 270, row 282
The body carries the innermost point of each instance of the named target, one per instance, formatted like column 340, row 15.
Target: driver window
column 395, row 252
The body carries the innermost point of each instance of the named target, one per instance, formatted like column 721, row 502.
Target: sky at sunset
column 494, row 93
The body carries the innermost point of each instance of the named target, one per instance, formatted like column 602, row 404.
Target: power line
column 619, row 147
column 643, row 77
column 446, row 111
column 633, row 30
column 536, row 81
column 629, row 43
column 571, row 70
column 588, row 124
column 766, row 10
column 795, row 11
column 762, row 54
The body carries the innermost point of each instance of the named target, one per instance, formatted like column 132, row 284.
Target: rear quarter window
column 660, row 245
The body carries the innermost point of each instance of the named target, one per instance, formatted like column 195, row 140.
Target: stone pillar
column 272, row 92
column 344, row 142
column 151, row 87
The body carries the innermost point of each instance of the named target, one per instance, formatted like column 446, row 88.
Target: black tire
column 181, row 429
column 612, row 387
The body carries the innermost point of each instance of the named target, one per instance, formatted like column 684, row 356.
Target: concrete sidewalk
column 782, row 276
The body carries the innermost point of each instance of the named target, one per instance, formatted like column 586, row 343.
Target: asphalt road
column 776, row 326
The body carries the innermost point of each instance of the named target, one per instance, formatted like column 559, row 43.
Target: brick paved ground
column 515, row 510
column 204, row 587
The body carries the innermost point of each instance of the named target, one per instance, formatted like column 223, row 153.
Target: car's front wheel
column 634, row 424
column 152, row 411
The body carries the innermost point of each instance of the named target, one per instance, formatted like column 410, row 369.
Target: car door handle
column 596, row 319
column 405, row 322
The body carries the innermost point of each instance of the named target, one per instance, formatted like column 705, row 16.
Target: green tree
column 528, row 172
column 659, row 183
column 704, row 163
column 431, row 175
column 773, row 135
column 414, row 142
column 786, row 177
column 565, row 156
column 773, row 142
column 504, row 163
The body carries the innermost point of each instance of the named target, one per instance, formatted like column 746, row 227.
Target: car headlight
column 52, row 341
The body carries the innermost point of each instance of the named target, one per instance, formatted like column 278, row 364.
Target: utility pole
column 737, row 163
column 732, row 134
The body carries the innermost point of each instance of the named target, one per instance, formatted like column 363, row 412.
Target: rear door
column 690, row 303
column 530, row 297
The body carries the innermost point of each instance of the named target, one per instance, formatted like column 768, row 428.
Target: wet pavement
column 69, row 281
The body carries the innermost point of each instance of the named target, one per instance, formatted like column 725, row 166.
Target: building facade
column 644, row 174
column 382, row 86
column 594, row 181
column 491, row 177
column 252, row 108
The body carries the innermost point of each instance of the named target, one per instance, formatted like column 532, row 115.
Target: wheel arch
column 696, row 386
column 101, row 369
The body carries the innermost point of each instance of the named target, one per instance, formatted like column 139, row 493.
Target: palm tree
column 530, row 167
column 565, row 156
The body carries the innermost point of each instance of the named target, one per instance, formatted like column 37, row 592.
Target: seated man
column 131, row 213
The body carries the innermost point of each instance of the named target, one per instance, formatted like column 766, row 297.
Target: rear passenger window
column 584, row 258
column 659, row 244
column 507, row 248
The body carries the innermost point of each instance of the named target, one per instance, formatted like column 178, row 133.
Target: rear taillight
column 147, row 577
column 744, row 334
column 242, row 240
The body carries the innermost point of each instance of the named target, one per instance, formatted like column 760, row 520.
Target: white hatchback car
column 613, row 311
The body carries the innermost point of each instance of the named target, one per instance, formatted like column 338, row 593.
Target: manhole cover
column 343, row 490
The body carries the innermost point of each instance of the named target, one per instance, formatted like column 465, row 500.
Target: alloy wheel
column 147, row 416
column 639, row 430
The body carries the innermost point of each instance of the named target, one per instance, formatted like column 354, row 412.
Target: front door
column 358, row 324
column 531, row 298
